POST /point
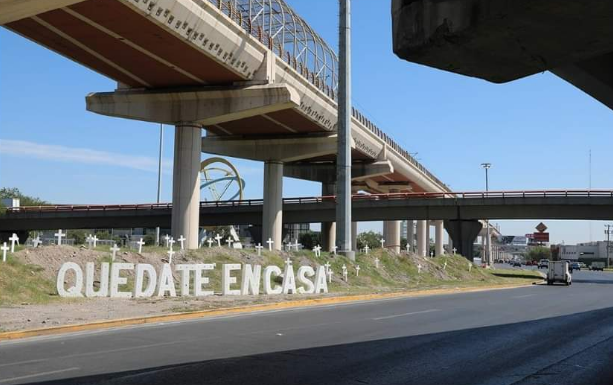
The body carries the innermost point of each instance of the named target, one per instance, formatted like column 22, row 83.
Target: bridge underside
column 501, row 41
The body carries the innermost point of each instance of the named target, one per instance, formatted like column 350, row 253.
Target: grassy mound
column 29, row 274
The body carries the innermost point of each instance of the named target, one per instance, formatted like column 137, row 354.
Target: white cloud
column 21, row 148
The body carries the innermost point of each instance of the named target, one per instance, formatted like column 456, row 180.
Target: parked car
column 597, row 266
column 575, row 266
column 516, row 264
column 583, row 265
column 543, row 264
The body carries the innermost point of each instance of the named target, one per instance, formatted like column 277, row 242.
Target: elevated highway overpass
column 501, row 41
column 461, row 212
column 252, row 73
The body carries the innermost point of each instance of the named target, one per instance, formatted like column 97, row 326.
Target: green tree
column 79, row 236
column 370, row 238
column 24, row 200
column 539, row 252
column 310, row 239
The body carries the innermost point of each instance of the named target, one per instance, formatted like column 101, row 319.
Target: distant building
column 586, row 252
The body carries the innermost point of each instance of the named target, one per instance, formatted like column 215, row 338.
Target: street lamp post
column 608, row 232
column 157, row 229
column 343, row 159
column 486, row 167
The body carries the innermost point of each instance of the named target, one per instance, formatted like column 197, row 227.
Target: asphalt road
column 533, row 335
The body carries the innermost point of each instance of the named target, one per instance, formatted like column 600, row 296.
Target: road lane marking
column 524, row 296
column 406, row 314
column 38, row 375
column 23, row 362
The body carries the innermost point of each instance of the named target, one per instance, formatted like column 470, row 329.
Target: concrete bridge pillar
column 354, row 236
column 438, row 238
column 391, row 234
column 421, row 238
column 463, row 233
column 328, row 229
column 186, row 184
column 272, row 220
column 411, row 235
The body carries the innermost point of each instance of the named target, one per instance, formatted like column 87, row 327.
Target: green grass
column 20, row 283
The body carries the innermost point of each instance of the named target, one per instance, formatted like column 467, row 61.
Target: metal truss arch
column 278, row 26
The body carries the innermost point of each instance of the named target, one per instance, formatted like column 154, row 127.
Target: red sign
column 541, row 237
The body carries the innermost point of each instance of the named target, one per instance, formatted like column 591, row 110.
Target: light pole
column 157, row 229
column 343, row 159
column 608, row 232
column 486, row 167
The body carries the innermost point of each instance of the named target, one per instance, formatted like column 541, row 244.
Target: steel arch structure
column 280, row 28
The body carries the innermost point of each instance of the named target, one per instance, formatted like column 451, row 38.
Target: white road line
column 524, row 296
column 37, row 375
column 406, row 314
column 22, row 362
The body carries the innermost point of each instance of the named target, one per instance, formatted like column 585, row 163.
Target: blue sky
column 537, row 132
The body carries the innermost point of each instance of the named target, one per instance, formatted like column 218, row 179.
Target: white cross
column 357, row 271
column 317, row 250
column 327, row 266
column 454, row 250
column 382, row 243
column 259, row 248
column 288, row 262
column 210, row 242
column 345, row 272
column 170, row 254
column 114, row 249
column 166, row 239
column 229, row 241
column 218, row 238
column 59, row 236
column 36, row 242
column 408, row 248
column 95, row 239
column 419, row 268
column 182, row 241
column 14, row 239
column 432, row 254
column 366, row 248
column 270, row 243
column 377, row 262
column 90, row 241
column 329, row 273
column 470, row 267
column 334, row 248
column 171, row 242
column 140, row 244
column 4, row 249
column 445, row 266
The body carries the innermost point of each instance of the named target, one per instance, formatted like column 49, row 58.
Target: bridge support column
column 463, row 233
column 354, row 236
column 438, row 238
column 391, row 234
column 328, row 229
column 421, row 238
column 411, row 236
column 272, row 220
column 185, row 184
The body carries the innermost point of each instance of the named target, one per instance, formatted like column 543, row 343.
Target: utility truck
column 558, row 272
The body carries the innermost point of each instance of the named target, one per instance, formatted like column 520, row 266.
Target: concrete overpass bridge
column 460, row 212
column 252, row 73
column 501, row 41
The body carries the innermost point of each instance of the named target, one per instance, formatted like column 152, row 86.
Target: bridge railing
column 325, row 199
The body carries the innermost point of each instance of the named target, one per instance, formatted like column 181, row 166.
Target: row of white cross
column 14, row 239
column 366, row 249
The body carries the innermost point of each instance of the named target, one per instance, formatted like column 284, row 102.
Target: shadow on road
column 574, row 349
column 523, row 276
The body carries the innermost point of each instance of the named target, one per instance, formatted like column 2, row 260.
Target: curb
column 175, row 317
